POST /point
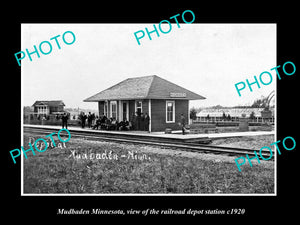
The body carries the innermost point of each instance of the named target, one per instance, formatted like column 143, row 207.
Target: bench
column 168, row 131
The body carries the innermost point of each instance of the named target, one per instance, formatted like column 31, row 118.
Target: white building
column 231, row 114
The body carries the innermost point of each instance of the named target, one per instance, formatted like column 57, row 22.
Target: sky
column 208, row 59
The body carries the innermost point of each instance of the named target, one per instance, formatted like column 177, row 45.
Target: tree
column 259, row 103
column 252, row 115
column 263, row 102
column 217, row 107
column 224, row 116
column 228, row 117
column 207, row 117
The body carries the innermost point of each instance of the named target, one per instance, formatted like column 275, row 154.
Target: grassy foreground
column 87, row 167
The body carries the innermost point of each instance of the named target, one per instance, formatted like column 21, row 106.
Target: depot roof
column 147, row 87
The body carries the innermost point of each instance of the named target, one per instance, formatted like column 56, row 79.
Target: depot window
column 138, row 107
column 42, row 110
column 170, row 111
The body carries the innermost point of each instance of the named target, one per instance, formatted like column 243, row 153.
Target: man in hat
column 64, row 120
column 182, row 121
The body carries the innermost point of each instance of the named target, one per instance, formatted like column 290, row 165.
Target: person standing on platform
column 133, row 122
column 138, row 120
column 142, row 121
column 64, row 120
column 147, row 122
column 182, row 121
column 83, row 118
column 89, row 118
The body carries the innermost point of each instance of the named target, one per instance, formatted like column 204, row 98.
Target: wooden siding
column 158, row 114
column 145, row 106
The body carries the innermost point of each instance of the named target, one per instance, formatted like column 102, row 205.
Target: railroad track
column 186, row 146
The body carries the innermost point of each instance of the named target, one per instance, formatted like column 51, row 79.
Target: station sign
column 177, row 95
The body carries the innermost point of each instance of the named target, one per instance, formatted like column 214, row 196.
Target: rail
column 186, row 146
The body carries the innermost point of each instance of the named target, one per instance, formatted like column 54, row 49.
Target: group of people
column 111, row 124
column 139, row 121
column 89, row 117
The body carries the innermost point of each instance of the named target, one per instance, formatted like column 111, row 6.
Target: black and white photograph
column 172, row 108
column 150, row 111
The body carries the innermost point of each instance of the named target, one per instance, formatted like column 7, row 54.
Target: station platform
column 176, row 135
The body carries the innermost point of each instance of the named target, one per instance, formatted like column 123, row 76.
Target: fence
column 48, row 120
column 233, row 123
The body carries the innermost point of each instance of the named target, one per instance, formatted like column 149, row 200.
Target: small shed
column 162, row 100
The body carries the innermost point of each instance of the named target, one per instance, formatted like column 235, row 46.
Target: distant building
column 232, row 114
column 162, row 100
column 48, row 107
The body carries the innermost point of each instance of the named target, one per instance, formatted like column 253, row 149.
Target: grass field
column 103, row 167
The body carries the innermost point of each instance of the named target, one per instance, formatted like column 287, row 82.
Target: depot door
column 125, row 110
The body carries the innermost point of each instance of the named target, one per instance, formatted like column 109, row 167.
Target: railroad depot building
column 162, row 100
